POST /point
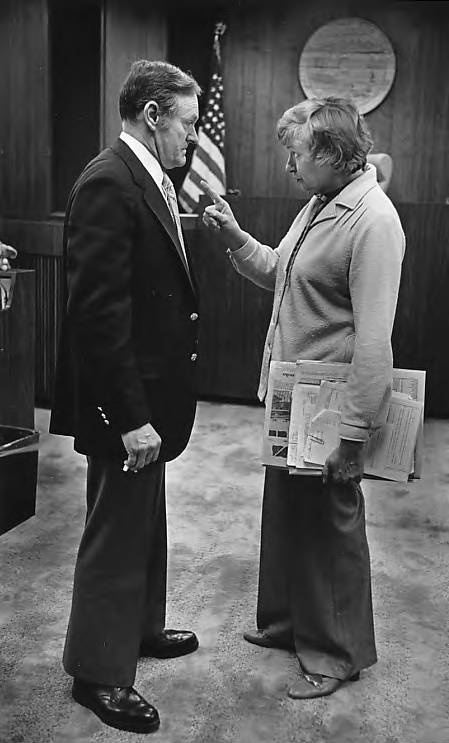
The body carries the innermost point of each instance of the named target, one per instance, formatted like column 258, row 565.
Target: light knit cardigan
column 340, row 301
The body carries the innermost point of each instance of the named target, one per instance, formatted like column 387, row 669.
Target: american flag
column 208, row 158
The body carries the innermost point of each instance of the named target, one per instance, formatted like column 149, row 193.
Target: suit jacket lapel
column 153, row 199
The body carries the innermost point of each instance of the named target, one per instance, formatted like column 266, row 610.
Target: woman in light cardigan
column 335, row 278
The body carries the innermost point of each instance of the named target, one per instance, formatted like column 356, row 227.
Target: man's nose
column 193, row 136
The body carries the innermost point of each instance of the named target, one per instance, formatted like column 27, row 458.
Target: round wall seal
column 348, row 58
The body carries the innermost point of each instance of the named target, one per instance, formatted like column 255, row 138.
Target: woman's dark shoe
column 264, row 640
column 120, row 707
column 170, row 643
column 312, row 685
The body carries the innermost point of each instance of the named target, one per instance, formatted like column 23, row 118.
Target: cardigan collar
column 350, row 195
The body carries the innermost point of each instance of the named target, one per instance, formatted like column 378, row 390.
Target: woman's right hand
column 219, row 216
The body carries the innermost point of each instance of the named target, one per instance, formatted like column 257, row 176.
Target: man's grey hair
column 332, row 129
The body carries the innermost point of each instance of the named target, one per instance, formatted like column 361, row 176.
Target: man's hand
column 345, row 463
column 219, row 216
column 6, row 253
column 142, row 445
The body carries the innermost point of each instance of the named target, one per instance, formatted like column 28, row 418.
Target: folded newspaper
column 303, row 413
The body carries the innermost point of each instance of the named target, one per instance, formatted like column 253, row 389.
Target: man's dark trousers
column 120, row 576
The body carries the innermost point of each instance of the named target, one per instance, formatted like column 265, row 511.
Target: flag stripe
column 190, row 195
column 187, row 203
column 201, row 171
column 193, row 191
column 192, row 188
column 209, row 145
column 212, row 158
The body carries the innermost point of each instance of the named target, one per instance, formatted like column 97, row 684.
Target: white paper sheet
column 389, row 452
column 304, row 399
column 413, row 383
column 323, row 436
column 277, row 413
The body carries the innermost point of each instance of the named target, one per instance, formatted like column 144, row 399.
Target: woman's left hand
column 345, row 463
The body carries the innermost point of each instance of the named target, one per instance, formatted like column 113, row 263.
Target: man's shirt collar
column 148, row 160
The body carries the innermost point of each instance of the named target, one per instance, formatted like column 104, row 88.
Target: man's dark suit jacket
column 128, row 346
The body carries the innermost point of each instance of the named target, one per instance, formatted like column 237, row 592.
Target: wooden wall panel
column 75, row 28
column 422, row 317
column 17, row 339
column 234, row 314
column 419, row 113
column 24, row 117
column 261, row 55
column 40, row 249
column 49, row 308
column 132, row 31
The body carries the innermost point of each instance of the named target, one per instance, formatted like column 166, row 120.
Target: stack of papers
column 303, row 415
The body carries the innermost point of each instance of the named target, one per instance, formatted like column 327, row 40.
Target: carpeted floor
column 230, row 691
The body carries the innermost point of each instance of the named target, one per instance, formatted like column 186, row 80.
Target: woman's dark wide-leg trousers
column 315, row 580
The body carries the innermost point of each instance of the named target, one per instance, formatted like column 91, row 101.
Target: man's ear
column 151, row 114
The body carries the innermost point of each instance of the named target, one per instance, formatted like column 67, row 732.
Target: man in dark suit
column 125, row 388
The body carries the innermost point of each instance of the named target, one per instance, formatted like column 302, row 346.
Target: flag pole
column 208, row 161
column 220, row 29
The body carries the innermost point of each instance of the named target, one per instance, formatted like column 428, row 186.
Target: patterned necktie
column 170, row 195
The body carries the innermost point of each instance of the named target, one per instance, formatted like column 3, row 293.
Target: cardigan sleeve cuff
column 353, row 432
column 244, row 252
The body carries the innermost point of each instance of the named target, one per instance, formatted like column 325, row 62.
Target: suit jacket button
column 194, row 357
column 194, row 316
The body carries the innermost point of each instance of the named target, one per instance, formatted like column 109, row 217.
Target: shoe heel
column 355, row 677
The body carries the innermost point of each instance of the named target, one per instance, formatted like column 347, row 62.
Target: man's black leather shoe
column 170, row 643
column 120, row 707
